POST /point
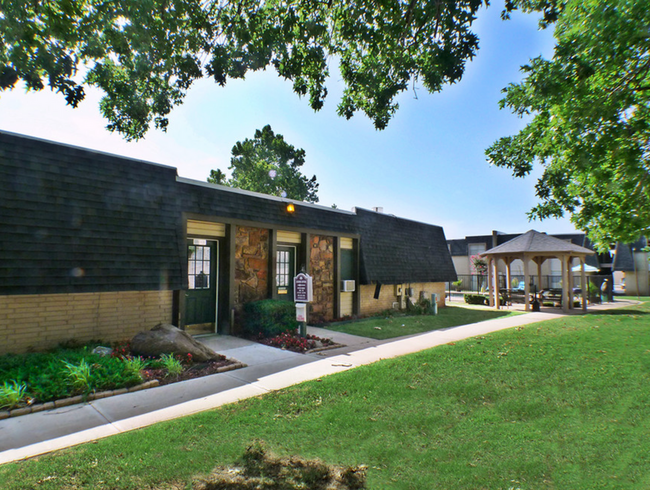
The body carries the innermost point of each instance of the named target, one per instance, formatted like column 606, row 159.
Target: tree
column 590, row 127
column 218, row 177
column 145, row 54
column 268, row 164
column 480, row 267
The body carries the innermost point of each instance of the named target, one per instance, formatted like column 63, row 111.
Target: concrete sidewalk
column 268, row 369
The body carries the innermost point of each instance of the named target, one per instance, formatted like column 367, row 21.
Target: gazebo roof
column 534, row 242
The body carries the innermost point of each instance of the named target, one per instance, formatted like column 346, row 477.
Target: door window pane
column 198, row 267
column 282, row 276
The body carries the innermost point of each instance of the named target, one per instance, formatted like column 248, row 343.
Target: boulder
column 168, row 339
column 103, row 351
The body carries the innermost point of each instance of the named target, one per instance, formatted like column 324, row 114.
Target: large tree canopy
column 145, row 55
column 270, row 165
column 590, row 127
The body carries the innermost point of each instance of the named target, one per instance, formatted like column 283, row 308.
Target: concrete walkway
column 268, row 369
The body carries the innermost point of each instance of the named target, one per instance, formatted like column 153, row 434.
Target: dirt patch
column 258, row 470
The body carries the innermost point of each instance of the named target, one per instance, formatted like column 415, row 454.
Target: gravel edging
column 74, row 400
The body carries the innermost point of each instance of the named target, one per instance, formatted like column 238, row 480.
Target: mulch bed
column 193, row 372
column 295, row 343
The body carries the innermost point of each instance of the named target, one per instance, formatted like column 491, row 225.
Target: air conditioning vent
column 348, row 286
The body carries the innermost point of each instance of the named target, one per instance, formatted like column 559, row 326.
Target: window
column 555, row 265
column 347, row 264
column 198, row 267
column 476, row 248
column 283, row 271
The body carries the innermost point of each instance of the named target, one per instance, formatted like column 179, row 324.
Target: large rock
column 167, row 339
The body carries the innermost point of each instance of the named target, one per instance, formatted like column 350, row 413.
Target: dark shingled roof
column 396, row 250
column 460, row 246
column 234, row 204
column 536, row 242
column 624, row 260
column 457, row 247
column 77, row 220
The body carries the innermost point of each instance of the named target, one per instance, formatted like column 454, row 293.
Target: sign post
column 303, row 293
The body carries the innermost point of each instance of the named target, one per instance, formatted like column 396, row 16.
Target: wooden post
column 495, row 278
column 585, row 289
column 490, row 285
column 570, row 274
column 526, row 284
column 565, row 284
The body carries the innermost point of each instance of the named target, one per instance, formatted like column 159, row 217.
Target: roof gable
column 396, row 250
column 536, row 242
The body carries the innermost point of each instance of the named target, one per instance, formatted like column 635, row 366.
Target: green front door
column 285, row 272
column 201, row 297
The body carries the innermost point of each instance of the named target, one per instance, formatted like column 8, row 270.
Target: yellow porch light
column 290, row 208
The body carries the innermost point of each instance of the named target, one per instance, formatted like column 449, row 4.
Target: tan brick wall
column 372, row 306
column 37, row 322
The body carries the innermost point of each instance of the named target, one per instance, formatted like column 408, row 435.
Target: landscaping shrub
column 593, row 290
column 173, row 366
column 78, row 375
column 475, row 299
column 135, row 366
column 12, row 394
column 112, row 373
column 64, row 372
column 269, row 317
column 422, row 307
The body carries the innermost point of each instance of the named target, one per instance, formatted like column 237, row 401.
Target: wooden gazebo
column 537, row 247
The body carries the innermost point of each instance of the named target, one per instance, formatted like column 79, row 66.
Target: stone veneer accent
column 322, row 272
column 41, row 321
column 371, row 306
column 251, row 265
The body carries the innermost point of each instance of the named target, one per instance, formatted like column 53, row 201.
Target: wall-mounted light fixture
column 290, row 208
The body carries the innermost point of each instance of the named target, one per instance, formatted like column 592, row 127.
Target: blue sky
column 428, row 165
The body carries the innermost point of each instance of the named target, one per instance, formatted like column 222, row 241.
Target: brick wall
column 372, row 306
column 36, row 322
column 322, row 272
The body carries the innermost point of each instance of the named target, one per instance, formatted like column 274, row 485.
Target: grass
column 563, row 404
column 388, row 327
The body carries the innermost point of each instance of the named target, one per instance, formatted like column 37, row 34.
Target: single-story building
column 98, row 246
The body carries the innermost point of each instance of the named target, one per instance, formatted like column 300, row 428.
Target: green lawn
column 557, row 405
column 381, row 328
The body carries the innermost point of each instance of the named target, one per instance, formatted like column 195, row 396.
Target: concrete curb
column 73, row 400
